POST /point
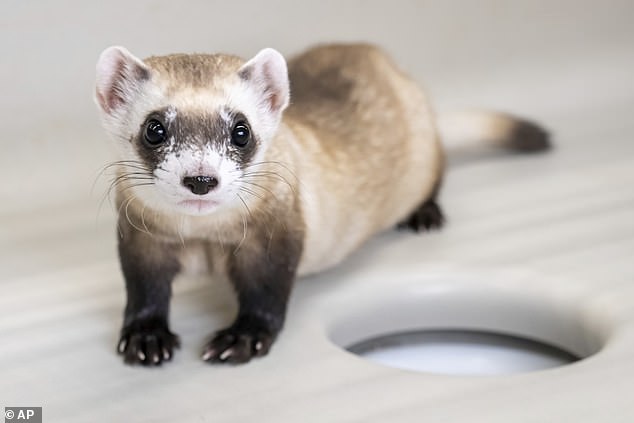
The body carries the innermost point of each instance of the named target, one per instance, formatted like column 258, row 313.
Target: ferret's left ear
column 268, row 75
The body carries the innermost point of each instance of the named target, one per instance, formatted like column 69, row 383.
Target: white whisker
column 244, row 226
column 127, row 216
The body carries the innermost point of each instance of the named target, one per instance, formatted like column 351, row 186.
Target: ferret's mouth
column 198, row 206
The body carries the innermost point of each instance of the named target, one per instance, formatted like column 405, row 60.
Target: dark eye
column 240, row 135
column 155, row 133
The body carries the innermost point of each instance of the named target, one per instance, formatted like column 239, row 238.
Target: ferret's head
column 189, row 127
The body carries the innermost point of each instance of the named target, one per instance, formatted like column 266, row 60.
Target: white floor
column 557, row 227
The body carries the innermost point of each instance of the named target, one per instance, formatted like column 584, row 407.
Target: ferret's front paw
column 147, row 342
column 237, row 345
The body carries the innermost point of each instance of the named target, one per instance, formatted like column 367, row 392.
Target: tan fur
column 367, row 138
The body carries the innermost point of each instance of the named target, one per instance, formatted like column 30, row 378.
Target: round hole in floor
column 461, row 352
column 464, row 331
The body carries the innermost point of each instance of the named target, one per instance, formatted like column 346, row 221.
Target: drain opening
column 461, row 352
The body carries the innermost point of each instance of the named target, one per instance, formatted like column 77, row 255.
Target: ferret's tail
column 466, row 134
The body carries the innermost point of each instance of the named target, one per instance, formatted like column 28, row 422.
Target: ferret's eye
column 155, row 133
column 240, row 135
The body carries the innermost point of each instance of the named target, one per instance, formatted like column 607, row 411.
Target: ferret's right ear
column 119, row 77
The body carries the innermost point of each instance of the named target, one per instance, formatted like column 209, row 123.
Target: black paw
column 428, row 216
column 237, row 345
column 147, row 342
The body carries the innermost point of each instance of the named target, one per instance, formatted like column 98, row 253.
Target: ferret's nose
column 200, row 185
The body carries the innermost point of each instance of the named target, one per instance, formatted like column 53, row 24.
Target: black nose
column 200, row 185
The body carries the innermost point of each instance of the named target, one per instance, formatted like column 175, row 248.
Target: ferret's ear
column 119, row 77
column 268, row 75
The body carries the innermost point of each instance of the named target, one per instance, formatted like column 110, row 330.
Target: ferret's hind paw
column 427, row 216
column 147, row 343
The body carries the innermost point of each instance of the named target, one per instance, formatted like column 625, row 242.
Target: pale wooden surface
column 556, row 228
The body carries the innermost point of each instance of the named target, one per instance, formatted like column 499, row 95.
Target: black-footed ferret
column 216, row 153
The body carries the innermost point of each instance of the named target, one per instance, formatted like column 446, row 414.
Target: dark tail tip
column 529, row 137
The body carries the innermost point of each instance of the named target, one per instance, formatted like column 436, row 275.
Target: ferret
column 282, row 169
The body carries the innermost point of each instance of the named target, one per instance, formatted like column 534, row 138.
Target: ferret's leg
column 262, row 271
column 149, row 266
column 426, row 216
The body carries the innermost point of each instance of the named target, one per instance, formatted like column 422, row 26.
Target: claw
column 226, row 354
column 122, row 345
